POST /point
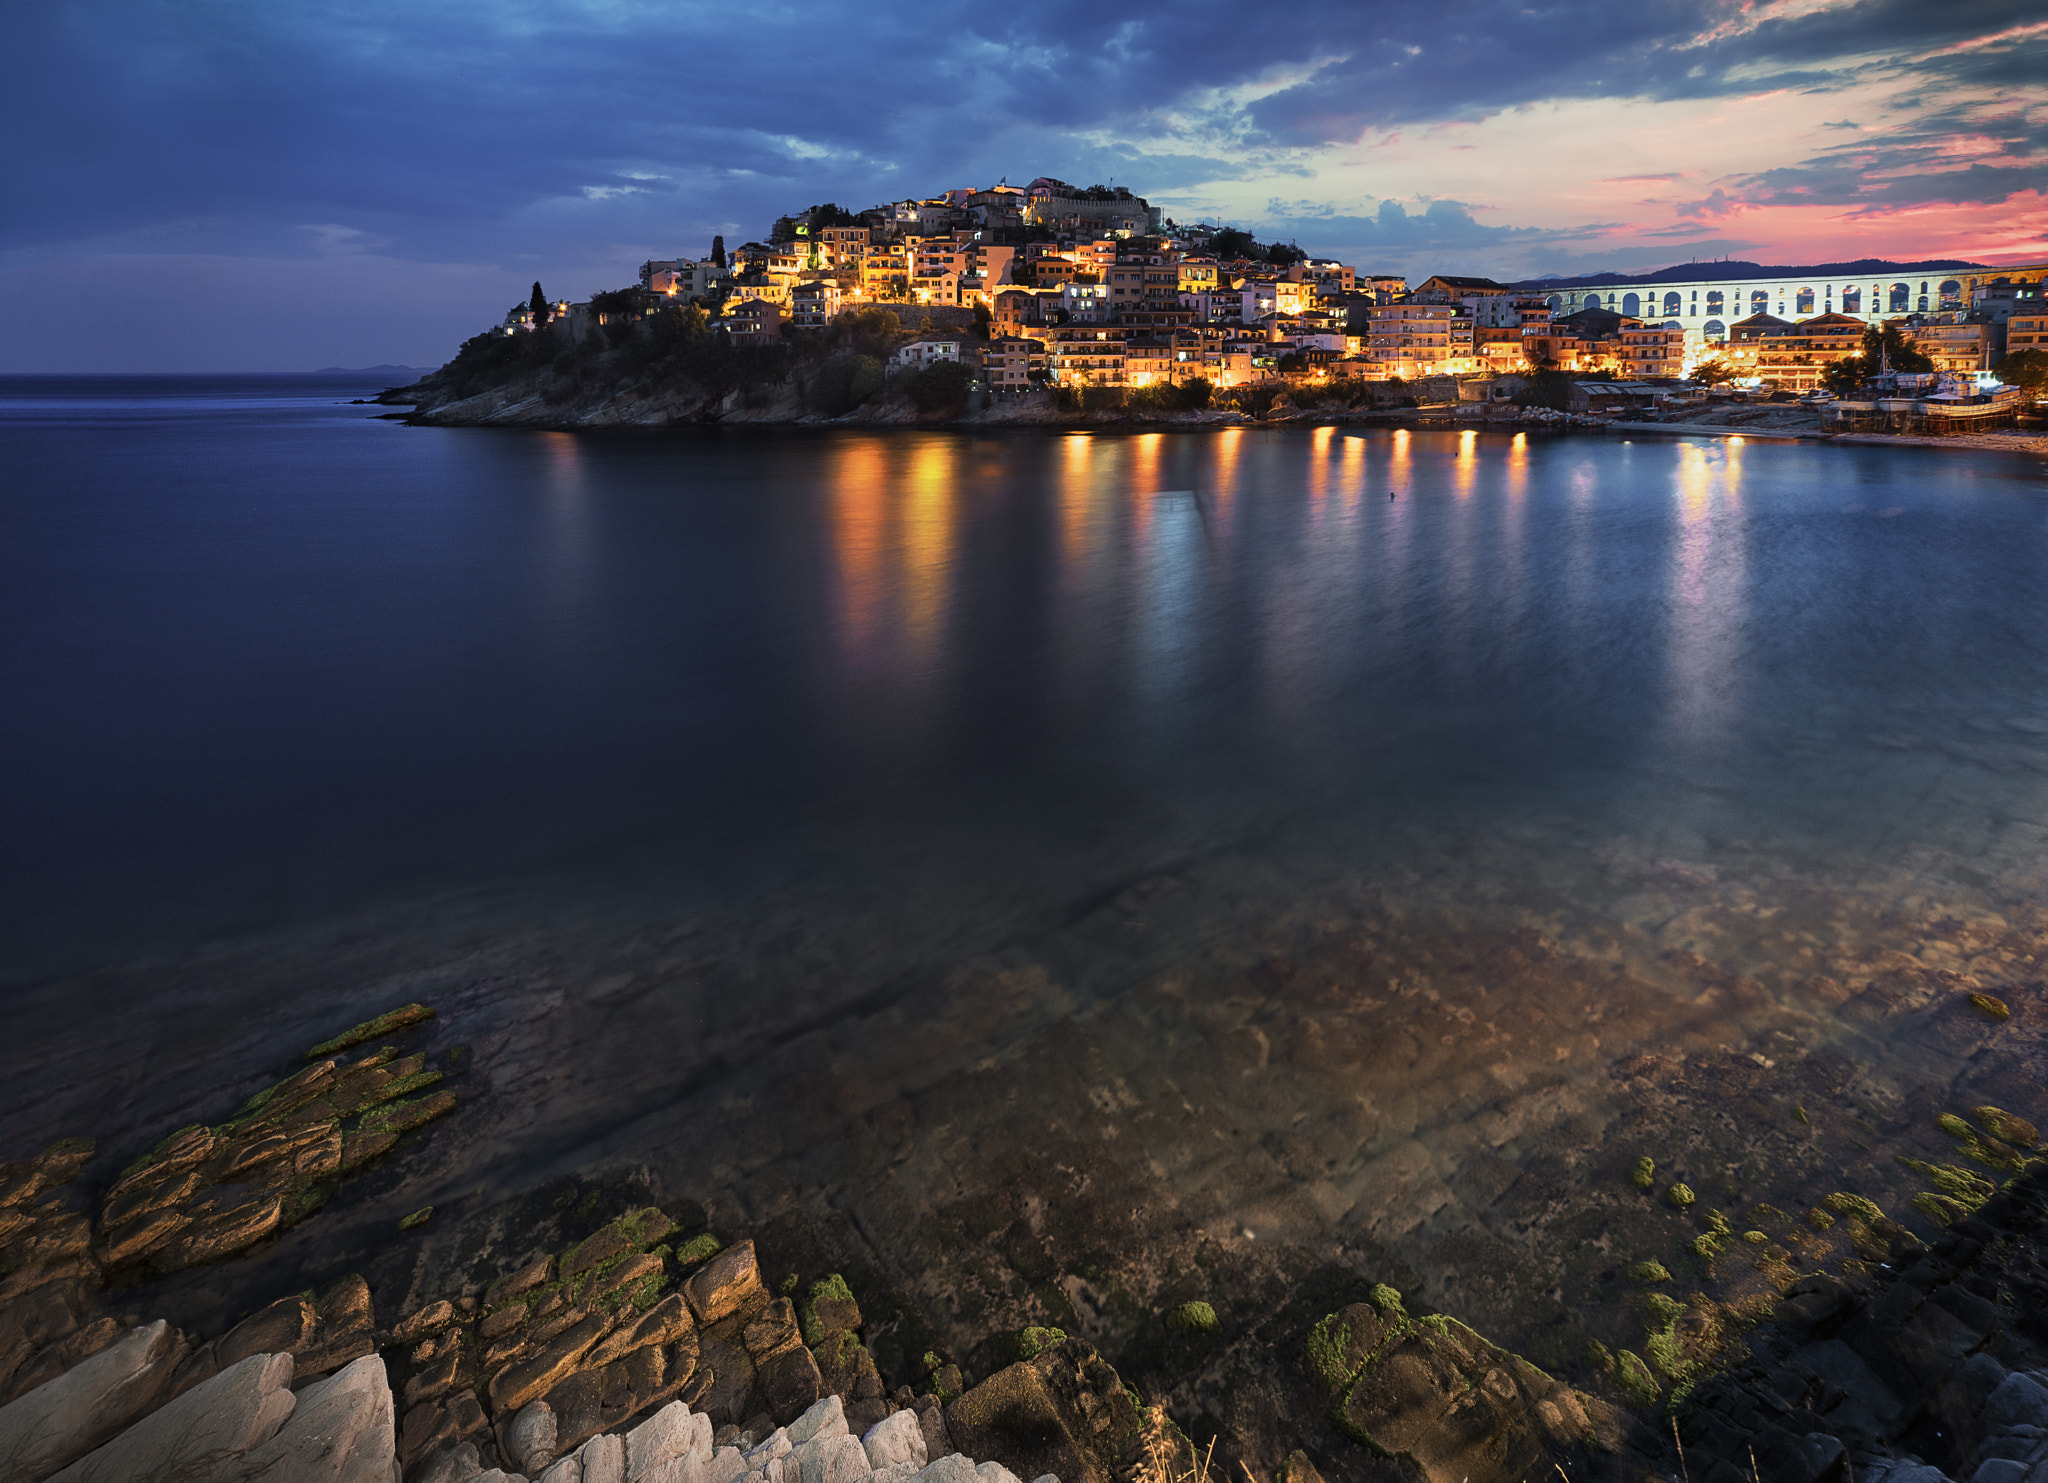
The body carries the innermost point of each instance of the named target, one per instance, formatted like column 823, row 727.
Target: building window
column 1671, row 303
column 1759, row 300
column 1713, row 329
column 1901, row 297
column 1805, row 301
column 1714, row 302
column 1852, row 301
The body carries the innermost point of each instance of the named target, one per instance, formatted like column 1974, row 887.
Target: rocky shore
column 584, row 1332
column 644, row 1349
column 525, row 406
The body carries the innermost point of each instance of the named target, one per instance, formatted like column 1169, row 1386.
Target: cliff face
column 525, row 402
column 669, row 371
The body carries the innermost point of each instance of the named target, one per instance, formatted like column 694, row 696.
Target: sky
column 222, row 186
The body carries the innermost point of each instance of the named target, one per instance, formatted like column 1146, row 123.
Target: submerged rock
column 1064, row 1412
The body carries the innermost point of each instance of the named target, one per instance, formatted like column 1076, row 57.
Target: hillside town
column 1049, row 285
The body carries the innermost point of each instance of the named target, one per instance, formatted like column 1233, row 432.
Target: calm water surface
column 298, row 701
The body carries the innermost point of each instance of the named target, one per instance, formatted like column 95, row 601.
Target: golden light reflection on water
column 1228, row 450
column 1351, row 474
column 857, row 500
column 1143, row 480
column 1514, row 542
column 1465, row 469
column 1403, row 466
column 893, row 513
column 1073, row 496
column 1319, row 468
column 929, row 523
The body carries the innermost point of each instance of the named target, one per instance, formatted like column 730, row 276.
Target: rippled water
column 691, row 742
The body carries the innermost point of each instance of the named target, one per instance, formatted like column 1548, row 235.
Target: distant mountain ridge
column 1736, row 271
column 413, row 371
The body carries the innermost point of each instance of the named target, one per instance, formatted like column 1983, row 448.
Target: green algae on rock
column 402, row 1018
column 1648, row 1272
column 1433, row 1390
column 699, row 1248
column 1635, row 1379
column 208, row 1192
column 830, row 1309
column 2007, row 1127
column 1643, row 1173
column 1843, row 1203
column 417, row 1219
column 1991, row 1007
column 1193, row 1318
column 1957, row 1191
column 1680, row 1195
column 1033, row 1342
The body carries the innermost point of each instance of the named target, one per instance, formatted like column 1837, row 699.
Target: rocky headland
column 660, row 373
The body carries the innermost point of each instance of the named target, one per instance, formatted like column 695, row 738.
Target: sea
column 650, row 756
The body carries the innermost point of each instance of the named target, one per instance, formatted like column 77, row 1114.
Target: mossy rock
column 1819, row 1219
column 417, row 1219
column 2007, row 1127
column 699, row 1248
column 402, row 1018
column 1034, row 1341
column 1843, row 1203
column 1648, row 1272
column 1991, row 1007
column 1387, row 1300
column 1325, row 1352
column 1635, row 1379
column 1662, row 1307
column 1939, row 1208
column 1954, row 1181
column 1680, row 1195
column 1193, row 1318
column 403, row 1117
column 830, row 1309
column 1643, row 1173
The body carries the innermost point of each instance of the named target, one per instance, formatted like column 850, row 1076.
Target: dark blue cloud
column 568, row 141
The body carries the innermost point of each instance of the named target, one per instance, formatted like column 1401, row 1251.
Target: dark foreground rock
column 1940, row 1360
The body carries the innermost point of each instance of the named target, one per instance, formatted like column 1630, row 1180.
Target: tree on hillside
column 983, row 320
column 1232, row 243
column 1712, row 371
column 718, row 251
column 1552, row 389
column 1846, row 376
column 1901, row 352
column 2026, row 369
column 538, row 304
column 941, row 387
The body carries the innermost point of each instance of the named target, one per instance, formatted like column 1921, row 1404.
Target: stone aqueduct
column 1706, row 307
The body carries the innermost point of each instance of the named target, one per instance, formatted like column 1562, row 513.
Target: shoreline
column 1410, row 421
